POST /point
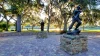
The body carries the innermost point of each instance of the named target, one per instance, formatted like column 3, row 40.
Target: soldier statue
column 75, row 19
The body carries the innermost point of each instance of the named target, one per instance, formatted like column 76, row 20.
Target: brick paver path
column 31, row 46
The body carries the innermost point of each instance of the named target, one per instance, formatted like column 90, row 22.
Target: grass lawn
column 59, row 31
column 91, row 31
column 54, row 30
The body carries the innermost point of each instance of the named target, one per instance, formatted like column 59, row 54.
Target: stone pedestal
column 73, row 44
column 42, row 34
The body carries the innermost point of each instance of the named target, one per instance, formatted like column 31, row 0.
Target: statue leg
column 78, row 24
column 73, row 22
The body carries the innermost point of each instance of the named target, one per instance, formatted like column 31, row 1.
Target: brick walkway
column 31, row 46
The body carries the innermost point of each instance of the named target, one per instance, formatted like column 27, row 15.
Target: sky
column 98, row 7
column 98, row 4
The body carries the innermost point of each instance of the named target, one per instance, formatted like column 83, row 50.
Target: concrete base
column 42, row 34
column 73, row 44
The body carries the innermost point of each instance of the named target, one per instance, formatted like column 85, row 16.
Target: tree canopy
column 59, row 11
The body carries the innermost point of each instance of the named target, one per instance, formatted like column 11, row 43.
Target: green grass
column 55, row 31
column 91, row 31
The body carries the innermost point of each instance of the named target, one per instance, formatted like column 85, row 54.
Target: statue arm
column 77, row 14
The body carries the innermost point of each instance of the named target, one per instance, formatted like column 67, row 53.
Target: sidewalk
column 31, row 46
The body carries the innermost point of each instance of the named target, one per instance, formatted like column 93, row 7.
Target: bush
column 1, row 30
column 3, row 25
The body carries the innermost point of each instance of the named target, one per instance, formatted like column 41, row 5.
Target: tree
column 18, row 7
column 65, row 12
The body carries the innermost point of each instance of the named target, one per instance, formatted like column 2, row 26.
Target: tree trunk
column 6, row 22
column 60, row 28
column 65, row 24
column 48, row 27
column 63, row 15
column 16, row 26
column 22, row 27
column 83, row 24
column 18, row 23
column 49, row 16
column 32, row 27
column 7, row 25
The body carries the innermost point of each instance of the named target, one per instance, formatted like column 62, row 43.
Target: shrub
column 3, row 25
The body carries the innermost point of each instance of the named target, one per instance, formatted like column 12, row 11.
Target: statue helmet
column 78, row 7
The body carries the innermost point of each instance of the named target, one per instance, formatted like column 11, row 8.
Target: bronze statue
column 75, row 19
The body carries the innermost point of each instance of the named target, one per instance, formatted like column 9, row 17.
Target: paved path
column 31, row 46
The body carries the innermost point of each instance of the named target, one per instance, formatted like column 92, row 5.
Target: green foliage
column 70, row 4
column 92, row 2
column 14, row 9
column 3, row 25
column 17, row 6
column 84, row 3
column 63, row 1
